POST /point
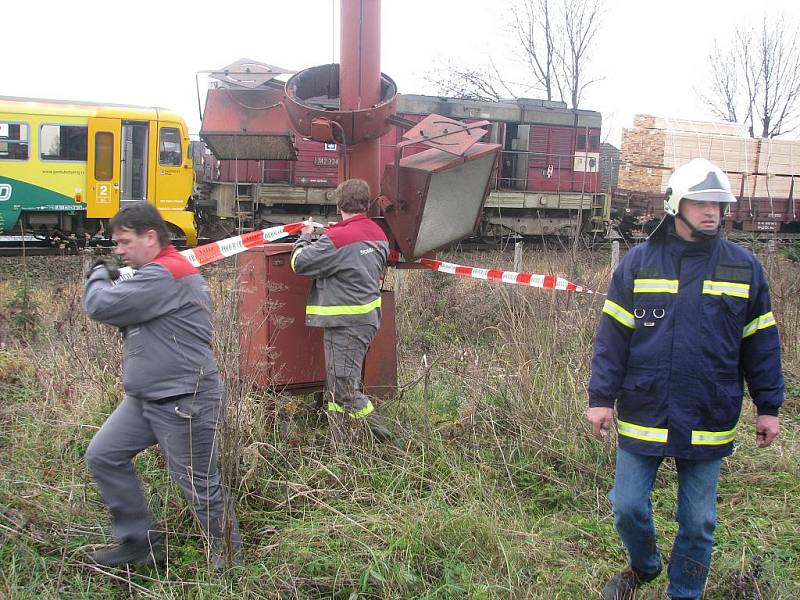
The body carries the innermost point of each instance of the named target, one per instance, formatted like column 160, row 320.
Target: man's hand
column 102, row 263
column 601, row 418
column 767, row 429
column 308, row 227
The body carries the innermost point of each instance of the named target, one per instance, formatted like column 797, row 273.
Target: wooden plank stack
column 655, row 146
column 764, row 173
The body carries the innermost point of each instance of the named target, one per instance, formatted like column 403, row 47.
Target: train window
column 594, row 142
column 103, row 156
column 13, row 141
column 580, row 144
column 169, row 147
column 63, row 142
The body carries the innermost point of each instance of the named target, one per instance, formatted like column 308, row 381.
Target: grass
column 493, row 488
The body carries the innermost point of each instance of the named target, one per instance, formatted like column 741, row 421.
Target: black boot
column 379, row 427
column 623, row 585
column 148, row 551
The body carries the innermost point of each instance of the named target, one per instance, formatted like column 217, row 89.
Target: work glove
column 103, row 263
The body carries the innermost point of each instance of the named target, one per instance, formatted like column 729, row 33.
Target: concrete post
column 614, row 254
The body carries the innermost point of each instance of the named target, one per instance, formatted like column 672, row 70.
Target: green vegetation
column 492, row 489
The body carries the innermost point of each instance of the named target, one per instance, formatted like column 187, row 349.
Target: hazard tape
column 209, row 253
column 548, row 282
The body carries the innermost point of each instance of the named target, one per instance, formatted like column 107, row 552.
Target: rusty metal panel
column 314, row 93
column 242, row 171
column 436, row 131
column 277, row 349
column 435, row 198
column 247, row 124
column 380, row 366
column 316, row 166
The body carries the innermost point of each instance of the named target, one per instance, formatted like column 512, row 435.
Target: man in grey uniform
column 347, row 264
column 173, row 394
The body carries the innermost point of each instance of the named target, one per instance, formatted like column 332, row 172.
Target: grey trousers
column 185, row 429
column 345, row 349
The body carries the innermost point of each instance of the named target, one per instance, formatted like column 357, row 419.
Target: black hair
column 141, row 218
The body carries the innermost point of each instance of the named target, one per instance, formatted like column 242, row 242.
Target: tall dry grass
column 492, row 489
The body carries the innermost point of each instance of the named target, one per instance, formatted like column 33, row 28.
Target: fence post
column 518, row 256
column 614, row 254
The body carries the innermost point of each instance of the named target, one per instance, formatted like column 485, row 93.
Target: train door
column 508, row 159
column 522, row 147
column 103, row 172
column 172, row 173
column 133, row 166
column 515, row 158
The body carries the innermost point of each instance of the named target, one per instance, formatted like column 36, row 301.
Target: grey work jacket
column 347, row 264
column 164, row 312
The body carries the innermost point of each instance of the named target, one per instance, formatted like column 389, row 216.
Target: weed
column 494, row 488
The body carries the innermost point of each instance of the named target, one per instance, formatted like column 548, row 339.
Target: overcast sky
column 651, row 54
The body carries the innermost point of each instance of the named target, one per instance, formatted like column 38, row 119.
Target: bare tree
column 536, row 29
column 581, row 22
column 468, row 83
column 553, row 41
column 756, row 78
column 723, row 93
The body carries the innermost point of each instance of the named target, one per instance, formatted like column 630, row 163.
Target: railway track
column 39, row 248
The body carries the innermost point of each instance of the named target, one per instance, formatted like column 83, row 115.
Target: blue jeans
column 696, row 517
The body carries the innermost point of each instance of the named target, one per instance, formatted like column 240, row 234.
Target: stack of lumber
column 757, row 168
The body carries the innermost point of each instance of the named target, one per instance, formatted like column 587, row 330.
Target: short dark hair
column 141, row 218
column 352, row 196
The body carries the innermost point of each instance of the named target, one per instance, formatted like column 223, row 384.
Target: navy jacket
column 684, row 324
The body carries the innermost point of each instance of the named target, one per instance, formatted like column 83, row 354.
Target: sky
column 650, row 54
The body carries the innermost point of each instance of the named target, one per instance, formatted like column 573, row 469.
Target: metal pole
column 360, row 82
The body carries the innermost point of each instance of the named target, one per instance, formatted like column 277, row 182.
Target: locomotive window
column 169, row 147
column 13, row 141
column 63, row 142
column 594, row 142
column 581, row 143
column 103, row 156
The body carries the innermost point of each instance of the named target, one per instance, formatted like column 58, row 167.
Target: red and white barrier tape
column 209, row 253
column 548, row 282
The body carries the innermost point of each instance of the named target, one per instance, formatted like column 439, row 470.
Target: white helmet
column 698, row 179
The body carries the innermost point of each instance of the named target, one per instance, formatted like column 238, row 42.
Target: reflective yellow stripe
column 616, row 312
column 655, row 286
column 358, row 414
column 356, row 309
column 295, row 254
column 718, row 288
column 647, row 434
column 762, row 322
column 713, row 438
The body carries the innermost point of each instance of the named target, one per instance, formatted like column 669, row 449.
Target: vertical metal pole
column 360, row 82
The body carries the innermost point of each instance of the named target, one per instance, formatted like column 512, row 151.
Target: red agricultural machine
column 424, row 200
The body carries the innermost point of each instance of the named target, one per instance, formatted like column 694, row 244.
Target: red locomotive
column 547, row 181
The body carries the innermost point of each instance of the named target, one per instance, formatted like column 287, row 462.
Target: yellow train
column 68, row 167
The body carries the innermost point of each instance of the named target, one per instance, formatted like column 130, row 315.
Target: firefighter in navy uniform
column 686, row 321
column 347, row 264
